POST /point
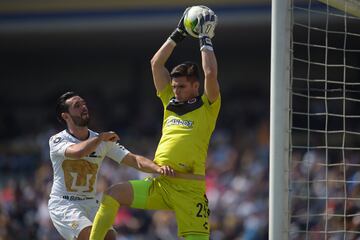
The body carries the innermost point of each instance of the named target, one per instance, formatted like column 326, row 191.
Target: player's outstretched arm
column 161, row 75
column 211, row 84
column 146, row 165
column 208, row 22
column 86, row 147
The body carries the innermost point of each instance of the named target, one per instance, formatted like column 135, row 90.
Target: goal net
column 324, row 120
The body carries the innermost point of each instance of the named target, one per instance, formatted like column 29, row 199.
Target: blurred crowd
column 237, row 185
column 325, row 209
column 237, row 188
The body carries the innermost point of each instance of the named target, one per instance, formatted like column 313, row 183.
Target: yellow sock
column 104, row 218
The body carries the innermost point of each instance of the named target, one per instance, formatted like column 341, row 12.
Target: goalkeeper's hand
column 207, row 23
column 179, row 33
column 206, row 28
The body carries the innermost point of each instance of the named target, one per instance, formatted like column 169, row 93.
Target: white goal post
column 279, row 122
column 315, row 120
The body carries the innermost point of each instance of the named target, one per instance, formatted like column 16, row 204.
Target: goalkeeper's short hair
column 186, row 69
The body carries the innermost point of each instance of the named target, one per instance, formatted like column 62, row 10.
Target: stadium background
column 102, row 49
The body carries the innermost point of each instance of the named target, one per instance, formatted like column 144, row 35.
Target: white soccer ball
column 191, row 19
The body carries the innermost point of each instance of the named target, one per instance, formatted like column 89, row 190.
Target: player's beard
column 81, row 121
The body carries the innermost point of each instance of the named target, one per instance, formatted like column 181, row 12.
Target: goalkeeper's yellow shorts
column 186, row 197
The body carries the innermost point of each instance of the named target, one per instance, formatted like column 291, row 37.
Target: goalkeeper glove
column 179, row 33
column 207, row 23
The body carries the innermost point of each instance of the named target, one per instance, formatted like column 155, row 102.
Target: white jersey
column 74, row 178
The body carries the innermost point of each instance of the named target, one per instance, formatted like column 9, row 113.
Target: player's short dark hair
column 187, row 69
column 61, row 105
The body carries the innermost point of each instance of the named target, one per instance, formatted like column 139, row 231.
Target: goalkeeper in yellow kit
column 189, row 120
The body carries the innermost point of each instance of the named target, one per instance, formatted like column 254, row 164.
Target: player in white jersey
column 76, row 154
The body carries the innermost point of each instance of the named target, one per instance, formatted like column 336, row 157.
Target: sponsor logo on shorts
column 74, row 224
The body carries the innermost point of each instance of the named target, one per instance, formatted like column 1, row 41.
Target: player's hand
column 109, row 136
column 181, row 26
column 166, row 171
column 207, row 23
column 179, row 33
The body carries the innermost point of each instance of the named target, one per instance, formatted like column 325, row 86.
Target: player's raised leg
column 119, row 194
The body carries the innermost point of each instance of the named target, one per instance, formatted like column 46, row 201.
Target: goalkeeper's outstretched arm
column 211, row 84
column 161, row 75
column 208, row 23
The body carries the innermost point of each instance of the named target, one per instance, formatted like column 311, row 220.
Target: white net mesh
column 324, row 165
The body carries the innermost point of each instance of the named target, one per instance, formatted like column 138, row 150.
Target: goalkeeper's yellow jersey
column 185, row 138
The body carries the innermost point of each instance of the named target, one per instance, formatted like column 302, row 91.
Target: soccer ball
column 191, row 19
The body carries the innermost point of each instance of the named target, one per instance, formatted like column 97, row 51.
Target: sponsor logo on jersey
column 179, row 122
